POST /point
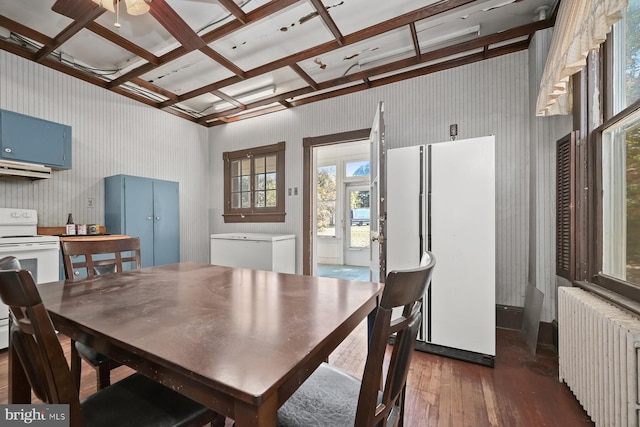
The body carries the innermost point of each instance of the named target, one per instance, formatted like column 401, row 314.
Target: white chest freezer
column 258, row 251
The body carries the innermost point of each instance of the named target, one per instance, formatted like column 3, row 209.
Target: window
column 327, row 191
column 254, row 184
column 357, row 169
column 608, row 223
column 620, row 155
column 626, row 54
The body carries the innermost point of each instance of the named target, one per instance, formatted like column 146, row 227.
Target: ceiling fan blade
column 74, row 9
column 175, row 25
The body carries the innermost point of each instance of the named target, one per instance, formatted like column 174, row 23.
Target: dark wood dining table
column 238, row 341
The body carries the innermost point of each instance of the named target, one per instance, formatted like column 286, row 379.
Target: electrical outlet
column 295, row 191
column 289, row 191
column 90, row 202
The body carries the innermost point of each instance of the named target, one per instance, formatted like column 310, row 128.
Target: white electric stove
column 38, row 254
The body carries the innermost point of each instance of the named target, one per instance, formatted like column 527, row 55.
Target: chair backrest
column 35, row 341
column 113, row 256
column 402, row 289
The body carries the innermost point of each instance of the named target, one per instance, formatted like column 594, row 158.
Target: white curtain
column 581, row 26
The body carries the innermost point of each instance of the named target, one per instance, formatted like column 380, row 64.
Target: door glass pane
column 235, row 200
column 359, row 218
column 326, row 196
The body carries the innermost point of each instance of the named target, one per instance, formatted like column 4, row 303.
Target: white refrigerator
column 441, row 198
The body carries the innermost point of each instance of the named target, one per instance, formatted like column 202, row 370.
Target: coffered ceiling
column 218, row 61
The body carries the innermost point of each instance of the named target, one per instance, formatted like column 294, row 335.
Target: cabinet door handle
column 7, row 150
column 149, row 218
column 157, row 218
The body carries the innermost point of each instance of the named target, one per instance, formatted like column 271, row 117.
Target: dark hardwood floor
column 521, row 390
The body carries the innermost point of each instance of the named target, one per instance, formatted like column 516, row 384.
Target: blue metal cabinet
column 32, row 140
column 146, row 208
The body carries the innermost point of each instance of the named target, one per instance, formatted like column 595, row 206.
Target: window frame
column 253, row 213
column 596, row 85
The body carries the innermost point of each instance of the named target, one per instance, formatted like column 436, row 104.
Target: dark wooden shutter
column 565, row 207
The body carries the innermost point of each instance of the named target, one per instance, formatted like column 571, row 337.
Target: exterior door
column 378, row 208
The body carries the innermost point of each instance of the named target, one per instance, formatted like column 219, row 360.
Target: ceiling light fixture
column 134, row 7
column 246, row 97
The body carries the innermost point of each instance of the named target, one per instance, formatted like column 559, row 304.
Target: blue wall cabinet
column 32, row 140
column 146, row 208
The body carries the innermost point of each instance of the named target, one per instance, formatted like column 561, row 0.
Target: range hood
column 23, row 170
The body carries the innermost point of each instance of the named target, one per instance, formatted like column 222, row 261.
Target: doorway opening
column 336, row 203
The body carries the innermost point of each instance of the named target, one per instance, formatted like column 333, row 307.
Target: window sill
column 254, row 217
column 611, row 296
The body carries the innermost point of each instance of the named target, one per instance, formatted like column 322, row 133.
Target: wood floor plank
column 522, row 390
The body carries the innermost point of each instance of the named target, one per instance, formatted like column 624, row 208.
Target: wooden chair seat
column 330, row 397
column 135, row 401
column 97, row 258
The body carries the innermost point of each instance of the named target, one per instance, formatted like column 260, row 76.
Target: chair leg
column 76, row 365
column 103, row 376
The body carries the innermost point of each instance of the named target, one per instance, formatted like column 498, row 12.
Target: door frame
column 307, row 209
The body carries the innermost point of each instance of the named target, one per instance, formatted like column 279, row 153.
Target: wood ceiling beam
column 391, row 24
column 118, row 40
column 25, row 31
column 229, row 99
column 234, row 9
column 304, row 76
column 175, row 25
column 253, row 16
column 69, row 32
column 414, row 38
column 328, row 21
column 366, row 76
column 223, row 61
column 445, row 65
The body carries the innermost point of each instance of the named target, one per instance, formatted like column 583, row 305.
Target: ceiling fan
column 88, row 10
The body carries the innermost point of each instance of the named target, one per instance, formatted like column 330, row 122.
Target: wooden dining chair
column 94, row 258
column 134, row 401
column 331, row 397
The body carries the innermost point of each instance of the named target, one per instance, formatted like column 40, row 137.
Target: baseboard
column 510, row 317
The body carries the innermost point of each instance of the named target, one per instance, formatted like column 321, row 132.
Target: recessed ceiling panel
column 88, row 49
column 354, row 15
column 282, row 81
column 275, row 37
column 382, row 49
column 191, row 71
column 142, row 30
column 40, row 17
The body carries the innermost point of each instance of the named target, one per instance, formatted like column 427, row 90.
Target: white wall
column 111, row 134
column 545, row 131
column 488, row 97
